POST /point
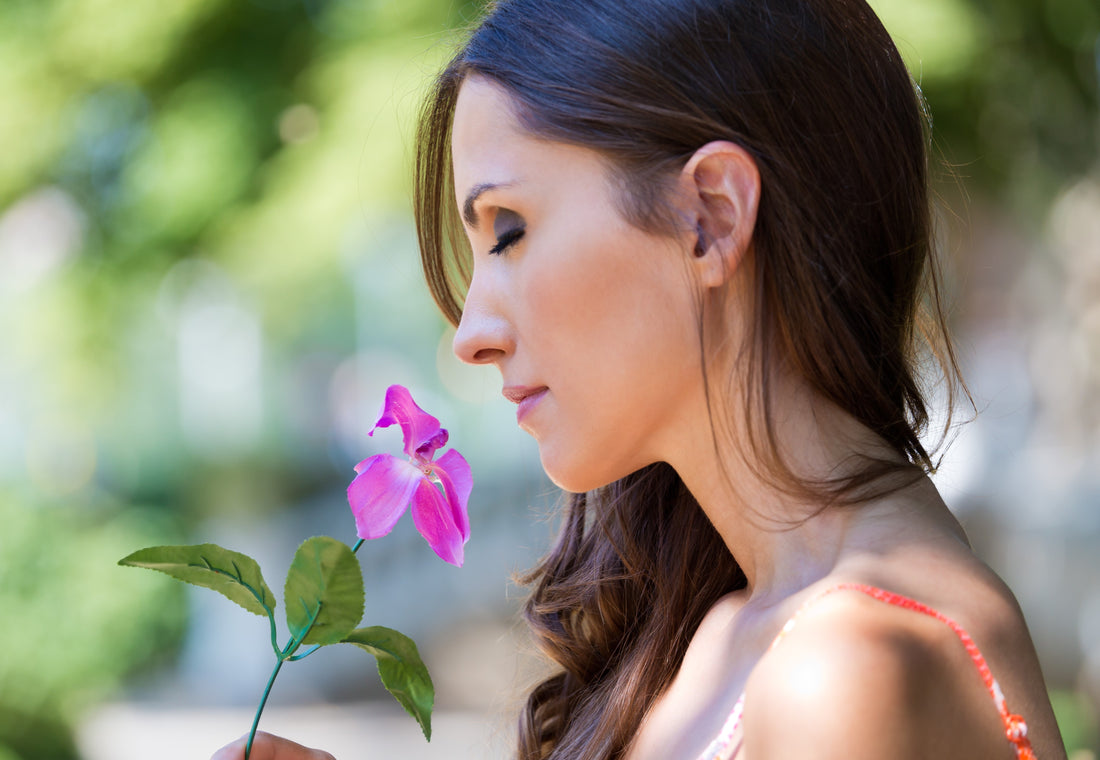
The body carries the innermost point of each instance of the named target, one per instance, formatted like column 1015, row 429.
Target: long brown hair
column 845, row 288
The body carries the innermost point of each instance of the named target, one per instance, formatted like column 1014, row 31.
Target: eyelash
column 507, row 240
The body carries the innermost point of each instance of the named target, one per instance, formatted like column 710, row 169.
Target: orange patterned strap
column 727, row 743
column 1015, row 727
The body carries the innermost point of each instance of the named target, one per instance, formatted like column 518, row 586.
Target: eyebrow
column 468, row 212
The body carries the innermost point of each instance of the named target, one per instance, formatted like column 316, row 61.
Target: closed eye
column 507, row 240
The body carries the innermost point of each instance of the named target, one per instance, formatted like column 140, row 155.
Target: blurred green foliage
column 1076, row 721
column 1012, row 86
column 74, row 624
column 251, row 135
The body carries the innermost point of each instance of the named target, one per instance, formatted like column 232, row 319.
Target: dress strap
column 728, row 742
column 1015, row 727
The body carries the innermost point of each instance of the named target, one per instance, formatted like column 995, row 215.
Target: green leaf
column 235, row 575
column 402, row 671
column 324, row 592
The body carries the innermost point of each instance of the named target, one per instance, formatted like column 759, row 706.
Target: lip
column 526, row 397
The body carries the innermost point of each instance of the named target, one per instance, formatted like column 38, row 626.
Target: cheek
column 614, row 330
column 592, row 313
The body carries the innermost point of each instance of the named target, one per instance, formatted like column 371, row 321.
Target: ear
column 723, row 185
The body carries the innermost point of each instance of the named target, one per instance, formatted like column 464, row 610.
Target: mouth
column 518, row 393
column 526, row 397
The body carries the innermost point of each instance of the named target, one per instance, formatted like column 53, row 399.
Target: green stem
column 304, row 654
column 281, row 657
column 355, row 548
column 274, row 635
column 263, row 701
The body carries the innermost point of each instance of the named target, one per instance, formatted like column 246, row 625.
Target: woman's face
column 590, row 320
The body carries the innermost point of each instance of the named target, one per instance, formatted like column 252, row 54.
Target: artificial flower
column 439, row 489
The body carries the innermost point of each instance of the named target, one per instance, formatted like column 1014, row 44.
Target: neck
column 784, row 542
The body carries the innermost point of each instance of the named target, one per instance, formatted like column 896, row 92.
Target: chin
column 574, row 476
column 568, row 475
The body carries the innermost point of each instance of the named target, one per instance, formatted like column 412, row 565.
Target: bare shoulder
column 856, row 678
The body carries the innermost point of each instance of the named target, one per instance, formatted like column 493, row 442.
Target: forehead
column 489, row 145
column 487, row 140
column 485, row 113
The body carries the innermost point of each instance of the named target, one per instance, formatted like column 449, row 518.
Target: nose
column 484, row 335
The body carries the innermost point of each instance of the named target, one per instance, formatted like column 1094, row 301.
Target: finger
column 270, row 747
column 232, row 751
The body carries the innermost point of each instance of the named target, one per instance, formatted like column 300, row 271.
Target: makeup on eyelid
column 509, row 227
column 507, row 240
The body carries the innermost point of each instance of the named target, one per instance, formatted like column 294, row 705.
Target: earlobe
column 724, row 184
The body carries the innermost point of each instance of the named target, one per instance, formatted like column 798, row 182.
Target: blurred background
column 208, row 277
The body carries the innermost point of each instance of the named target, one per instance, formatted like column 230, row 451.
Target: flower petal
column 421, row 431
column 380, row 493
column 454, row 473
column 434, row 518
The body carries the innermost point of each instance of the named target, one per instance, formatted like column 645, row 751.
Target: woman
column 701, row 261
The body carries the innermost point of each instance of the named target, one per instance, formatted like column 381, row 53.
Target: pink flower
column 439, row 489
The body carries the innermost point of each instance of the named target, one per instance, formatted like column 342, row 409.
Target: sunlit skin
column 602, row 318
column 583, row 307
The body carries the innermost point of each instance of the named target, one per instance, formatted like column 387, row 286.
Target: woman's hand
column 269, row 747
